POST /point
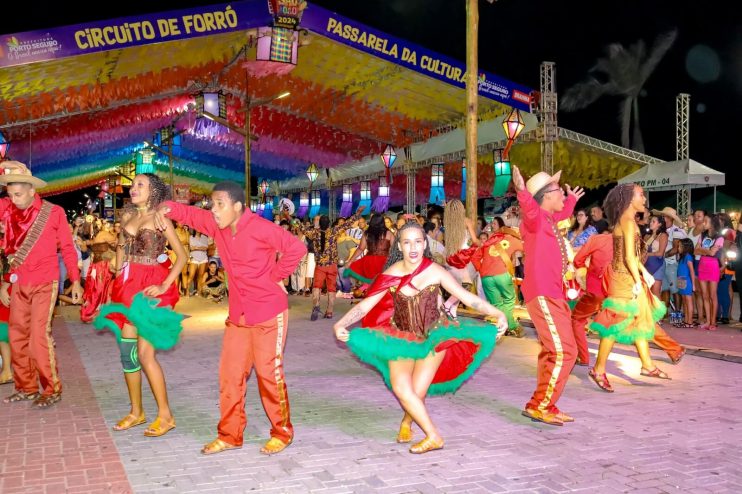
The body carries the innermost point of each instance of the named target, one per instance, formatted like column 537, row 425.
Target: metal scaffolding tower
column 682, row 151
column 332, row 211
column 548, row 130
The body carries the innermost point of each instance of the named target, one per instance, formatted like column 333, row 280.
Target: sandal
column 21, row 396
column 328, row 315
column 45, row 401
column 159, row 427
column 129, row 421
column 601, row 380
column 274, row 445
column 713, row 327
column 405, row 433
column 426, row 445
column 656, row 372
column 449, row 314
column 537, row 415
column 217, row 446
column 684, row 325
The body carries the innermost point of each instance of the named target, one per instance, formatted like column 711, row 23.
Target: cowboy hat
column 7, row 177
column 541, row 180
column 670, row 213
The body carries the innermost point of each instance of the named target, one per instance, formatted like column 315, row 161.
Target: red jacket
column 489, row 263
column 249, row 257
column 599, row 248
column 42, row 264
column 542, row 256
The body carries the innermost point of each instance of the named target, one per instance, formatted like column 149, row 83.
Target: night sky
column 516, row 35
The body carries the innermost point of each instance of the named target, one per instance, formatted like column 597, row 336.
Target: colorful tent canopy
column 78, row 102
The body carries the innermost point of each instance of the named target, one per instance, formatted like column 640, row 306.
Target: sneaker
column 315, row 313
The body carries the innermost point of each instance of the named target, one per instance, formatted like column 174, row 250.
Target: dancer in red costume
column 99, row 278
column 543, row 206
column 375, row 242
column 141, row 324
column 257, row 255
column 407, row 338
column 35, row 231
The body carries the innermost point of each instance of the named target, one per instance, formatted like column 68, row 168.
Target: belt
column 143, row 260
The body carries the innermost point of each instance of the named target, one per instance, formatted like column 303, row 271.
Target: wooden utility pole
column 472, row 91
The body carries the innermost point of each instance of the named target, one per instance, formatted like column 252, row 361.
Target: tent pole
column 472, row 93
column 714, row 198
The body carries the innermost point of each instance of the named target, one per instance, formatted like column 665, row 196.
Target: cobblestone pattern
column 650, row 436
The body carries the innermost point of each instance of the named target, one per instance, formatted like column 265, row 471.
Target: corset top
column 416, row 313
column 619, row 257
column 146, row 243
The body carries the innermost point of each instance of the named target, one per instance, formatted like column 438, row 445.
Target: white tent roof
column 673, row 174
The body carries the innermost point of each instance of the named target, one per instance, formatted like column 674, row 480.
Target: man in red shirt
column 34, row 230
column 542, row 206
column 257, row 255
column 599, row 249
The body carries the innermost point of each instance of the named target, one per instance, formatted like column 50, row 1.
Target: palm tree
column 623, row 73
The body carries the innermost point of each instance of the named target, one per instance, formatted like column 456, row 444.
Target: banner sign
column 411, row 56
column 70, row 41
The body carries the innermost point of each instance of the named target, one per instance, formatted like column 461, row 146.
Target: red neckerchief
column 17, row 224
column 383, row 311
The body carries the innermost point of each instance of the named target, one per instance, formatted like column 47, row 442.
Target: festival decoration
column 346, row 208
column 388, row 157
column 253, row 206
column 381, row 203
column 144, row 161
column 503, row 173
column 182, row 193
column 312, row 174
column 513, row 125
column 365, row 195
column 437, row 194
column 316, row 203
column 303, row 205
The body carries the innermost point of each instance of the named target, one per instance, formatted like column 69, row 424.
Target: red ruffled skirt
column 367, row 268
column 97, row 290
column 141, row 276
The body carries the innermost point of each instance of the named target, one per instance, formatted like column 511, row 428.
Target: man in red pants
column 257, row 255
column 599, row 249
column 542, row 206
column 34, row 230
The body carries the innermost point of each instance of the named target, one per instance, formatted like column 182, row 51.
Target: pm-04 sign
column 653, row 182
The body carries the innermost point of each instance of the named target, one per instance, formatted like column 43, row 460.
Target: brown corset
column 380, row 248
column 418, row 313
column 101, row 251
column 619, row 259
column 147, row 243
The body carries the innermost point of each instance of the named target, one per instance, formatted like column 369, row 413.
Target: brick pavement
column 650, row 436
column 67, row 448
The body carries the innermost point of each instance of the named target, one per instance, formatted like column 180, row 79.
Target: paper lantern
column 303, row 204
column 144, row 161
column 346, row 208
column 365, row 195
column 437, row 194
column 213, row 102
column 4, row 147
column 503, row 173
column 463, row 180
column 381, row 203
column 316, row 203
column 388, row 157
column 513, row 126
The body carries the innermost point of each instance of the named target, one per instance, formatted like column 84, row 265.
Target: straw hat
column 670, row 213
column 541, row 180
column 7, row 177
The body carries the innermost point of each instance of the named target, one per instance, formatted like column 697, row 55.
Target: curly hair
column 616, row 202
column 454, row 220
column 159, row 192
column 395, row 254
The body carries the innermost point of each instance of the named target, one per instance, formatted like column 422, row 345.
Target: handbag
column 682, row 282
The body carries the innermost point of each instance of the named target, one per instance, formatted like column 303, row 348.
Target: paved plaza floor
column 650, row 436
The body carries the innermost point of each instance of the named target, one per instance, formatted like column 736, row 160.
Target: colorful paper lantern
column 503, row 173
column 312, row 174
column 144, row 161
column 303, row 204
column 316, row 203
column 365, row 195
column 513, row 125
column 346, row 208
column 388, row 157
column 437, row 194
column 381, row 203
column 213, row 102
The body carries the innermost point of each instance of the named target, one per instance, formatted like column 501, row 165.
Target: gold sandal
column 405, row 433
column 274, row 445
column 129, row 421
column 159, row 428
column 426, row 445
column 21, row 396
column 45, row 401
column 217, row 446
